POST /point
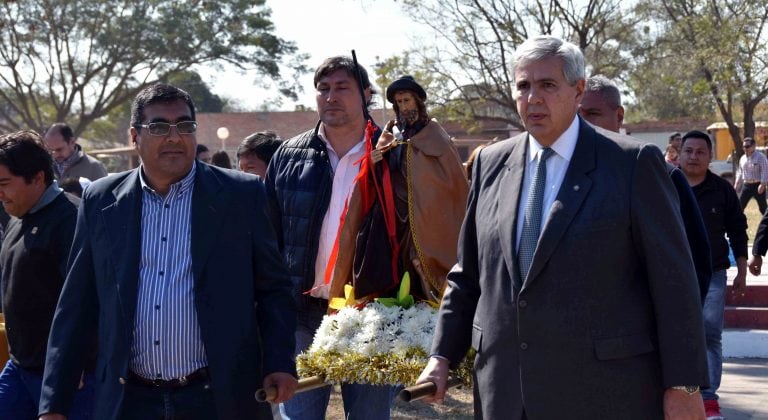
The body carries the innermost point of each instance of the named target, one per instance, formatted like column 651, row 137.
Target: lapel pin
column 34, row 230
column 576, row 187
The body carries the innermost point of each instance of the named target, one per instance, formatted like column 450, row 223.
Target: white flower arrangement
column 380, row 344
column 376, row 329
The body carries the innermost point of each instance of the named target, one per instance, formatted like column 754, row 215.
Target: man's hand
column 761, row 188
column 740, row 281
column 755, row 265
column 678, row 405
column 285, row 383
column 52, row 416
column 436, row 371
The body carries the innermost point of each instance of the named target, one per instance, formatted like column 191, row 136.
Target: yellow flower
column 348, row 299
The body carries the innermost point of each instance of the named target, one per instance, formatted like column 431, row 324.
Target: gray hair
column 606, row 88
column 547, row 46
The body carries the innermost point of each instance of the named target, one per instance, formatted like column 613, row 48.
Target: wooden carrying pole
column 417, row 392
column 305, row 384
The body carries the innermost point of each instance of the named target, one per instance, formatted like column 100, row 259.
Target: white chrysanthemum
column 369, row 345
column 375, row 330
column 325, row 336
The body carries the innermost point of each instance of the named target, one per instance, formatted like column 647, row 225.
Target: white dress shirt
column 345, row 169
column 557, row 165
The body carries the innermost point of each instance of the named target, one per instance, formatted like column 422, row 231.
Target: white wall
column 659, row 139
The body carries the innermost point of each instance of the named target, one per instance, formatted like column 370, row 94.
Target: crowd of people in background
column 570, row 257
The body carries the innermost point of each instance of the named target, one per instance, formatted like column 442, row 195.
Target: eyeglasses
column 163, row 129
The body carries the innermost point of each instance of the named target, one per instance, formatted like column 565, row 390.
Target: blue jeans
column 20, row 395
column 361, row 402
column 714, row 316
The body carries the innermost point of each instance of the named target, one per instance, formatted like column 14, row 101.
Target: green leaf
column 388, row 302
column 405, row 287
column 407, row 302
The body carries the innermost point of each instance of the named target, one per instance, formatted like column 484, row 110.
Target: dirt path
column 458, row 406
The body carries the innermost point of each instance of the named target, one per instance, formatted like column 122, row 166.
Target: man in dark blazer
column 601, row 107
column 603, row 319
column 175, row 269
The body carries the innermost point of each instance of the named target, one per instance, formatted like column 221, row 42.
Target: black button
column 161, row 273
column 522, row 304
column 157, row 307
column 167, row 206
column 523, row 346
column 163, row 239
column 159, row 375
column 157, row 342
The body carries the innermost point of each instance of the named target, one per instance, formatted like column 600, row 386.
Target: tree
column 392, row 68
column 192, row 83
column 662, row 92
column 78, row 60
column 471, row 65
column 722, row 44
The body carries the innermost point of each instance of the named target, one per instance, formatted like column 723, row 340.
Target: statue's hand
column 376, row 156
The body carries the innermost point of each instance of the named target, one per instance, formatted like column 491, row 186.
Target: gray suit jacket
column 609, row 315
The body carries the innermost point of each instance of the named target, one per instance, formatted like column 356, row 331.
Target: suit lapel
column 207, row 216
column 510, row 186
column 122, row 219
column 573, row 191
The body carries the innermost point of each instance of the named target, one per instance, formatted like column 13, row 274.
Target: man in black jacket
column 34, row 258
column 723, row 216
column 308, row 181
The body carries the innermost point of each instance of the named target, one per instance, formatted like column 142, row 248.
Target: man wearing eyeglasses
column 175, row 268
column 752, row 176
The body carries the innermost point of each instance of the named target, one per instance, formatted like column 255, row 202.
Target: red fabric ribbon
column 371, row 189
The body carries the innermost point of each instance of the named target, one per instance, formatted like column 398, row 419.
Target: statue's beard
column 410, row 117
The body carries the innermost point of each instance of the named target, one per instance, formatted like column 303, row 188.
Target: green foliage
column 205, row 100
column 392, row 68
column 719, row 47
column 404, row 298
column 662, row 91
column 78, row 60
column 471, row 64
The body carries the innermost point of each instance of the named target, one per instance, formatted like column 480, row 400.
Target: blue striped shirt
column 167, row 343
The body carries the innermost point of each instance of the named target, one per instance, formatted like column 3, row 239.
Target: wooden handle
column 417, row 392
column 305, row 384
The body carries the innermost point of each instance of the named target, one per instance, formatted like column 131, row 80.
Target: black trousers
column 192, row 402
column 749, row 191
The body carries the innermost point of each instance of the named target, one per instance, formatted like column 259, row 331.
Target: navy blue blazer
column 242, row 292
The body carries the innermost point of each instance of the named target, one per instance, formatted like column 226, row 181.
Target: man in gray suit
column 574, row 281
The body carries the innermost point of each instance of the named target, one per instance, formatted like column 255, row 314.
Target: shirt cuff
column 437, row 356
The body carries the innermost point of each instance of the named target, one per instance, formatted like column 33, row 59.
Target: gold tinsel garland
column 383, row 343
column 381, row 369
